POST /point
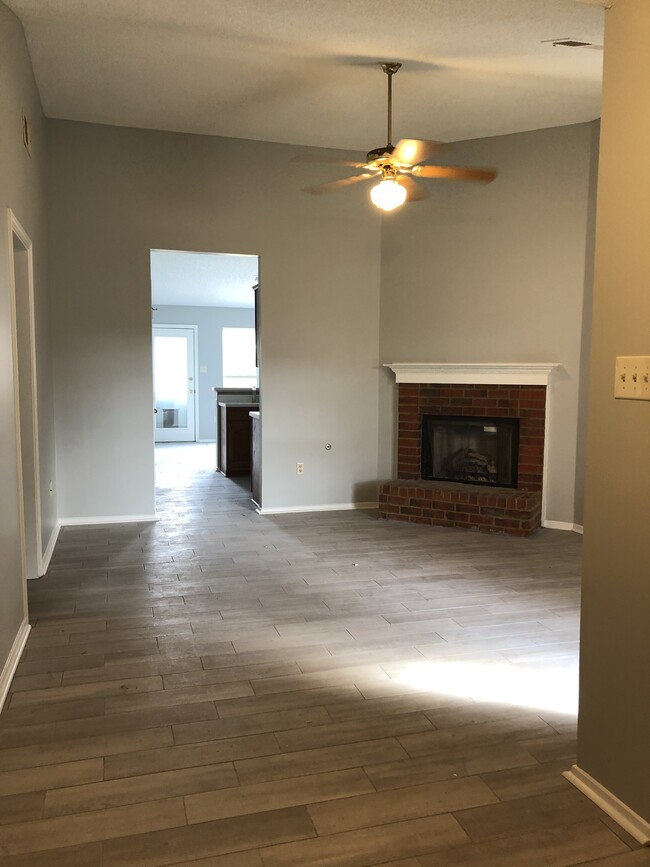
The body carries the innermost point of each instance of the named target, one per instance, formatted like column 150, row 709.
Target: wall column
column 613, row 735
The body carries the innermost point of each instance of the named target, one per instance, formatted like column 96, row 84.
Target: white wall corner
column 13, row 659
column 623, row 815
column 49, row 550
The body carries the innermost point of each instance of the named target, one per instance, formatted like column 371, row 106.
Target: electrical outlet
column 632, row 377
column 300, row 468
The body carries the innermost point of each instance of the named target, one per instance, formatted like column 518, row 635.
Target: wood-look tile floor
column 222, row 689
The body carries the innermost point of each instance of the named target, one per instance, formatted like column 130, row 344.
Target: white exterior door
column 174, row 386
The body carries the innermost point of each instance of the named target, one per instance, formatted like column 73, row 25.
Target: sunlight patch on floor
column 545, row 688
column 178, row 464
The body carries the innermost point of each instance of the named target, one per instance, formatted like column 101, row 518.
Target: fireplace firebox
column 473, row 450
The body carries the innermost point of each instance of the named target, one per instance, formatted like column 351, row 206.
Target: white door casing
column 21, row 283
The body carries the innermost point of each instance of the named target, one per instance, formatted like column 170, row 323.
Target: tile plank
column 554, row 847
column 365, row 847
column 189, row 755
column 411, row 802
column 284, row 765
column 209, row 838
column 90, row 827
column 257, row 797
column 137, row 789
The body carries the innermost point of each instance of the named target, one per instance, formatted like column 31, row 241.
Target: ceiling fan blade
column 455, row 173
column 414, row 192
column 336, row 185
column 414, row 150
column 314, row 158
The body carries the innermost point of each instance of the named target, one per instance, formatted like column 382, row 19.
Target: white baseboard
column 563, row 525
column 106, row 519
column 9, row 668
column 207, row 441
column 630, row 821
column 333, row 507
column 49, row 550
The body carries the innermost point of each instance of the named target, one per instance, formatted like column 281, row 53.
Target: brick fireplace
column 471, row 391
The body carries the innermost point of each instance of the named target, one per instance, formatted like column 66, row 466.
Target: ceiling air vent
column 571, row 43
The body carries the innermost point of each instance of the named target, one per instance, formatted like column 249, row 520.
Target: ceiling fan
column 396, row 166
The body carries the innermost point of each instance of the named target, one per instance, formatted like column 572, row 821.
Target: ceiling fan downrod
column 390, row 69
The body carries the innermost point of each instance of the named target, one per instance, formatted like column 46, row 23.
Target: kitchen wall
column 115, row 194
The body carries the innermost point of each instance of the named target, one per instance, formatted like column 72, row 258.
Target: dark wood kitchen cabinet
column 234, row 431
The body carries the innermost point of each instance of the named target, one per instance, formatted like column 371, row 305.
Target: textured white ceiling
column 306, row 72
column 202, row 279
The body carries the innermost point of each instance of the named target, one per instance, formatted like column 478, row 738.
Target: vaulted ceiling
column 307, row 72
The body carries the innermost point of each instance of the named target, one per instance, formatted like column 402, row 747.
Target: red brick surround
column 525, row 402
column 493, row 510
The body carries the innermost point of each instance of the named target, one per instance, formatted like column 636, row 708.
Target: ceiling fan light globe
column 388, row 195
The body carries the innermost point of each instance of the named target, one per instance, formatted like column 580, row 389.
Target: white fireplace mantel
column 496, row 373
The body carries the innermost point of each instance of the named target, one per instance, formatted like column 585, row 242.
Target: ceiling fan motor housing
column 380, row 153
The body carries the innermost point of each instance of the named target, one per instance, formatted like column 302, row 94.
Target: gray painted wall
column 21, row 189
column 497, row 273
column 114, row 195
column 209, row 321
column 463, row 256
column 613, row 743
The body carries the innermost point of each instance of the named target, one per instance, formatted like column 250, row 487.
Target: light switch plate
column 632, row 377
column 203, row 369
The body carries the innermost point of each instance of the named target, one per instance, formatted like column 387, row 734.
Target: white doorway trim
column 29, row 419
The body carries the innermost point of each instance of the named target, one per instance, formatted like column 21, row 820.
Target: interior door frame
column 16, row 232
column 195, row 371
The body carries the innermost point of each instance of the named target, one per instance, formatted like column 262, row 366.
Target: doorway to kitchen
column 205, row 349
